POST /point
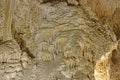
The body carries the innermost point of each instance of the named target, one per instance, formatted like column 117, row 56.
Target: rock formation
column 57, row 40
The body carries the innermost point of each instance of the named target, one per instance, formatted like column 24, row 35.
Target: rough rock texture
column 115, row 66
column 108, row 12
column 54, row 41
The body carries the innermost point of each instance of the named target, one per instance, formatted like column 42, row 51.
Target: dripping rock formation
column 59, row 40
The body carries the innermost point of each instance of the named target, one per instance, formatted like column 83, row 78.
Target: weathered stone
column 55, row 41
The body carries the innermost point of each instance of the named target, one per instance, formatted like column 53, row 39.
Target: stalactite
column 9, row 8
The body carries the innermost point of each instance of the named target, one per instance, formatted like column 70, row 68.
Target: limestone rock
column 56, row 41
column 108, row 12
column 73, row 2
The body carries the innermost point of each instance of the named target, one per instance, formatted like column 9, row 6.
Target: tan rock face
column 115, row 64
column 108, row 12
column 54, row 41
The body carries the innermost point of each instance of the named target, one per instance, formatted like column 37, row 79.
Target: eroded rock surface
column 67, row 43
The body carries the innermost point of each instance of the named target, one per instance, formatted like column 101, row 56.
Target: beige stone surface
column 52, row 40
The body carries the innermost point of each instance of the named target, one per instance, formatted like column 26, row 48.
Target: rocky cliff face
column 54, row 40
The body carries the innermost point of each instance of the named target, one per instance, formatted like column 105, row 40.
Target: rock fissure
column 22, row 43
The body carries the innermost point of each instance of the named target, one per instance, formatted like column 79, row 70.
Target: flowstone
column 62, row 42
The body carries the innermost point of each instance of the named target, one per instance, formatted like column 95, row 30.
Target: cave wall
column 54, row 40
